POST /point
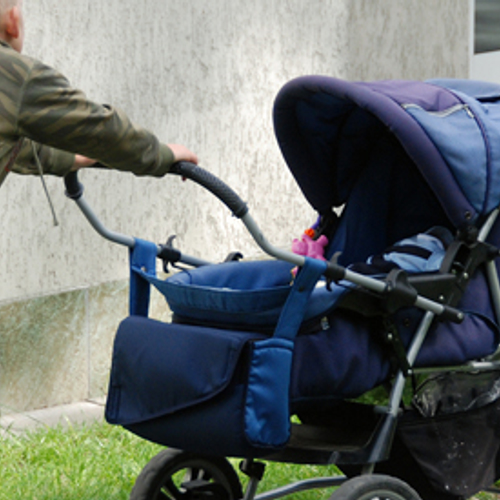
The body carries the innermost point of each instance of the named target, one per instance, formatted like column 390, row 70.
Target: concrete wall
column 200, row 73
column 412, row 39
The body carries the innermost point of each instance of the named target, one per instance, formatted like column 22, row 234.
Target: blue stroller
column 271, row 361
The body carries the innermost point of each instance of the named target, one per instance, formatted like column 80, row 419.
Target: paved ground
column 84, row 411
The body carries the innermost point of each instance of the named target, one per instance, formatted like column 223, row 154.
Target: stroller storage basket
column 193, row 398
column 454, row 433
column 234, row 293
column 241, row 295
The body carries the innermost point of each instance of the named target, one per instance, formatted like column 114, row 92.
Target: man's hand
column 181, row 153
column 82, row 162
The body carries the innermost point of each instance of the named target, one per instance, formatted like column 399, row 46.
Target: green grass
column 86, row 463
column 101, row 462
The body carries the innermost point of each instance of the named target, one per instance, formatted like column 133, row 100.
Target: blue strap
column 266, row 410
column 267, row 413
column 293, row 311
column 142, row 260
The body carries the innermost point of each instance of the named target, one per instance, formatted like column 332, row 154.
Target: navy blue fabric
column 159, row 389
column 267, row 405
column 344, row 359
column 214, row 427
column 142, row 262
column 159, row 368
column 389, row 201
column 347, row 357
column 476, row 337
column 187, row 386
column 326, row 129
column 251, row 293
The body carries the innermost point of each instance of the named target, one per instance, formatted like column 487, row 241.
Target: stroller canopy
column 450, row 129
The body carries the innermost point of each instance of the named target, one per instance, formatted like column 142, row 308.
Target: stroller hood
column 450, row 129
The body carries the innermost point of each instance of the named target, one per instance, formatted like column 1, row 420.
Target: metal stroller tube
column 74, row 190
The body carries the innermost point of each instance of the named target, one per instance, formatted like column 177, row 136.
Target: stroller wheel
column 375, row 487
column 179, row 475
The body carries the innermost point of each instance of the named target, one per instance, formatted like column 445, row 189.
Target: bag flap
column 159, row 368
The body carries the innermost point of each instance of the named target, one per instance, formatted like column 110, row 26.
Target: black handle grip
column 74, row 189
column 334, row 272
column 212, row 184
column 452, row 314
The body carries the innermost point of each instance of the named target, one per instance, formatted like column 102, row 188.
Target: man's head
column 12, row 23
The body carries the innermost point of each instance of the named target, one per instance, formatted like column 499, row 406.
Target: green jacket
column 38, row 104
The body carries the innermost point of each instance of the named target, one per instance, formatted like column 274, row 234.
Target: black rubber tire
column 179, row 475
column 375, row 487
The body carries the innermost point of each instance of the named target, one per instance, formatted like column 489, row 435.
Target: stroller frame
column 401, row 290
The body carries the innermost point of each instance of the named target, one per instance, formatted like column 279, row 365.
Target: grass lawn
column 85, row 462
column 97, row 462
column 101, row 462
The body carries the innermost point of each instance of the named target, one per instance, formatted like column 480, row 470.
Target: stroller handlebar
column 213, row 184
column 74, row 189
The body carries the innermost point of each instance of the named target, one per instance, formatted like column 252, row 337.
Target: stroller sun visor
column 326, row 129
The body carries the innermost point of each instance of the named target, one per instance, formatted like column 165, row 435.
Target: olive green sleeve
column 54, row 161
column 52, row 113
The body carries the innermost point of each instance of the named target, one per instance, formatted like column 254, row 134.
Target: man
column 48, row 126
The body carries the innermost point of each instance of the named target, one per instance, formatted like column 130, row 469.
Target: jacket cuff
column 60, row 162
column 166, row 161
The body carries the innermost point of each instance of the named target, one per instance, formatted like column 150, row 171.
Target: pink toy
column 310, row 248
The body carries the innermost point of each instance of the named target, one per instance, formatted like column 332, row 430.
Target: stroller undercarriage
column 265, row 351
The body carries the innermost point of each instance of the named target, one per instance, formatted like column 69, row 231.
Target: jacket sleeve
column 54, row 161
column 52, row 113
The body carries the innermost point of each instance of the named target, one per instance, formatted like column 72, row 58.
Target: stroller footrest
column 327, row 438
